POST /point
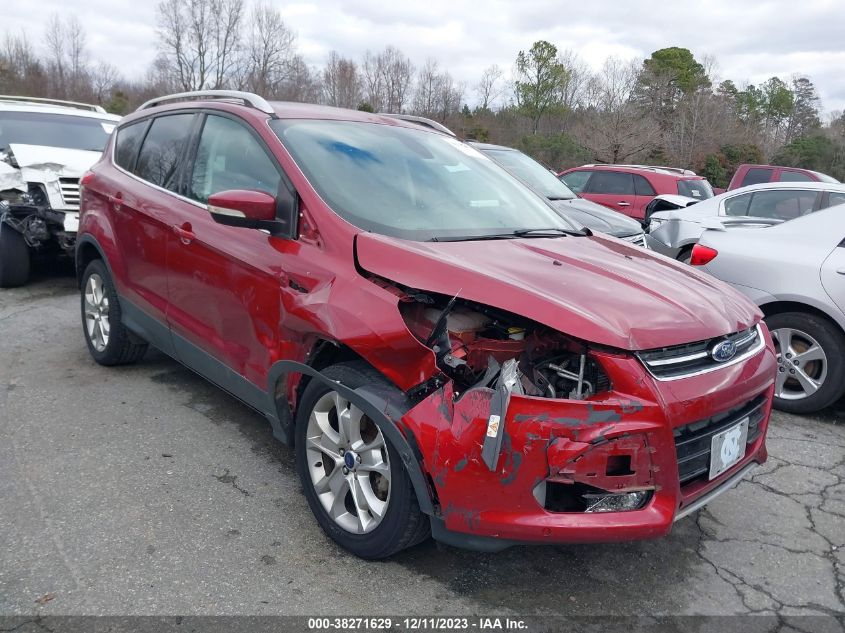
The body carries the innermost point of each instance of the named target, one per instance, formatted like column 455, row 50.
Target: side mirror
column 238, row 207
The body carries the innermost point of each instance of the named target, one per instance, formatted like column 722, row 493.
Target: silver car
column 673, row 233
column 795, row 272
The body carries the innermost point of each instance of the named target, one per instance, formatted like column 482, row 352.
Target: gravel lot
column 146, row 490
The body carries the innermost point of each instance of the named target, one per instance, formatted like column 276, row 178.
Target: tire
column 824, row 367
column 685, row 255
column 108, row 340
column 14, row 258
column 354, row 527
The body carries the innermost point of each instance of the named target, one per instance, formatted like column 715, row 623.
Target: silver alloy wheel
column 802, row 364
column 348, row 463
column 97, row 312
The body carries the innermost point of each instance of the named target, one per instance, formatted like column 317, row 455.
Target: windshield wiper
column 519, row 233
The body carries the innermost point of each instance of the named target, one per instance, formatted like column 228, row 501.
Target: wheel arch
column 87, row 250
column 781, row 306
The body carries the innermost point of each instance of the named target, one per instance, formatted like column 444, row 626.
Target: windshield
column 54, row 130
column 699, row 189
column 531, row 173
column 411, row 183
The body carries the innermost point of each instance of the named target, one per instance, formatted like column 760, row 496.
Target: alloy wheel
column 349, row 464
column 802, row 364
column 97, row 312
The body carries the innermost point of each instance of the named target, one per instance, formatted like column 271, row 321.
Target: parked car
column 673, row 233
column 757, row 174
column 45, row 146
column 795, row 272
column 582, row 213
column 630, row 188
column 446, row 354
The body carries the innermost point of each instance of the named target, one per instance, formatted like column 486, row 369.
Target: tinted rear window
column 698, row 189
column 643, row 187
column 756, row 175
column 159, row 157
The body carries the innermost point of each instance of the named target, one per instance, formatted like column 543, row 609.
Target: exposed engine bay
column 474, row 343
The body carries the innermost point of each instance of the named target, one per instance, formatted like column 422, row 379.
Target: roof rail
column 248, row 98
column 674, row 170
column 72, row 104
column 420, row 120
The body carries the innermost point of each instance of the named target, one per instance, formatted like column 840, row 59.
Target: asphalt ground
column 146, row 490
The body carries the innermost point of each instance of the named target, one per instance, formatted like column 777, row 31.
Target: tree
column 268, row 57
column 341, row 82
column 489, row 87
column 388, row 77
column 540, row 77
column 804, row 117
column 199, row 40
column 666, row 77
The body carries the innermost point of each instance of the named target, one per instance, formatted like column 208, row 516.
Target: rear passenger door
column 224, row 301
column 613, row 189
column 151, row 151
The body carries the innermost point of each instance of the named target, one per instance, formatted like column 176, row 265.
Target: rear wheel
column 14, row 258
column 352, row 476
column 685, row 256
column 108, row 340
column 811, row 369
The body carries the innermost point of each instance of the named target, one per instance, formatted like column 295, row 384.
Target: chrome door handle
column 624, row 204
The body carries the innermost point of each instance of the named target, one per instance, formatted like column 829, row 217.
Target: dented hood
column 62, row 162
column 594, row 288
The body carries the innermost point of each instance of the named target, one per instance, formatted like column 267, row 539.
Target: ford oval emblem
column 723, row 351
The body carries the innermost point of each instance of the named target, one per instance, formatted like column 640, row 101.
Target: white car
column 673, row 233
column 45, row 147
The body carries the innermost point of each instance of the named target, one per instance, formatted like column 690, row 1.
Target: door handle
column 841, row 271
column 622, row 203
column 186, row 235
column 116, row 201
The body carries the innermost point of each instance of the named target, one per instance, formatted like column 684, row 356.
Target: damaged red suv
column 447, row 355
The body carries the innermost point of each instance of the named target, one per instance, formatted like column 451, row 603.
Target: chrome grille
column 70, row 192
column 680, row 361
column 638, row 239
column 692, row 441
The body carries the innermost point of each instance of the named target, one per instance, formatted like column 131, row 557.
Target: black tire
column 832, row 341
column 685, row 255
column 14, row 258
column 122, row 347
column 403, row 524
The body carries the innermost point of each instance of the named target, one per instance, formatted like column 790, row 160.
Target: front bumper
column 545, row 441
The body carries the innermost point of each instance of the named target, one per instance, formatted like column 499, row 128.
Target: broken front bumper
column 558, row 455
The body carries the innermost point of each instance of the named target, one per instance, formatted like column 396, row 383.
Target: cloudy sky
column 751, row 40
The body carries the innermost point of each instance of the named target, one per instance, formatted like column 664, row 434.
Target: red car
column 629, row 188
column 446, row 354
column 757, row 174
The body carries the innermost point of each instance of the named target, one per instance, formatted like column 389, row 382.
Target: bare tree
column 269, row 51
column 489, row 88
column 199, row 40
column 104, row 77
column 427, row 92
column 341, row 82
column 388, row 77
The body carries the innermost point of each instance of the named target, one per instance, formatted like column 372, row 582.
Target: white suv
column 45, row 147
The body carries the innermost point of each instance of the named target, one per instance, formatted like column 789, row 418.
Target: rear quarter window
column 794, row 176
column 127, row 143
column 642, row 187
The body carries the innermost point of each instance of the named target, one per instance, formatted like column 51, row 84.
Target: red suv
column 629, row 188
column 756, row 174
column 447, row 355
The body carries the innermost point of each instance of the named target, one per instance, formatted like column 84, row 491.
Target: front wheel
column 14, row 258
column 352, row 476
column 811, row 369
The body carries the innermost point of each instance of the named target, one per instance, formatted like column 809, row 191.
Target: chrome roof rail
column 72, row 104
column 420, row 120
column 248, row 98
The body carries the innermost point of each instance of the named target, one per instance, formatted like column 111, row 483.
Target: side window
column 756, row 175
column 835, row 198
column 738, row 205
column 794, row 176
column 642, row 187
column 782, row 205
column 576, row 180
column 611, row 182
column 229, row 157
column 159, row 156
column 126, row 144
